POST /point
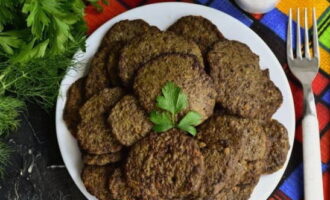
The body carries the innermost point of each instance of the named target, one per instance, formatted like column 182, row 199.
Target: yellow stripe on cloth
column 320, row 5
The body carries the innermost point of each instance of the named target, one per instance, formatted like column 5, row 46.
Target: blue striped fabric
column 229, row 8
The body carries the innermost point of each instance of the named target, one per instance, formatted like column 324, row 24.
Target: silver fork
column 305, row 69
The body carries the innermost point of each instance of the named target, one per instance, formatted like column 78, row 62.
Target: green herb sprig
column 172, row 102
column 37, row 42
column 9, row 111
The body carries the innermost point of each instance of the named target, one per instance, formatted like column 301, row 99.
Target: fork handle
column 313, row 185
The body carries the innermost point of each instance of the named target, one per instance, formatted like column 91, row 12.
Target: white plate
column 162, row 15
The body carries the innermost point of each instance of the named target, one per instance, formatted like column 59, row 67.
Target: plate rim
column 99, row 30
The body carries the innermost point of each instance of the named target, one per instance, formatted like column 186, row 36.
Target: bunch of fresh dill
column 37, row 41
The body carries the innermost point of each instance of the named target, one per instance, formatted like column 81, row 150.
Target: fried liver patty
column 238, row 192
column 102, row 159
column 95, row 179
column 101, row 104
column 198, row 29
column 117, row 36
column 185, row 72
column 142, row 49
column 224, row 147
column 94, row 135
column 97, row 78
column 75, row 99
column 278, row 146
column 128, row 121
column 119, row 188
column 232, row 53
column 245, row 143
column 165, row 165
column 126, row 30
column 112, row 63
column 243, row 89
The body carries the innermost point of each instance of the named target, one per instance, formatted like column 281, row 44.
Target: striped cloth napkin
column 271, row 27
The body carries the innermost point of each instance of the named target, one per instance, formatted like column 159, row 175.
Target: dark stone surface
column 36, row 170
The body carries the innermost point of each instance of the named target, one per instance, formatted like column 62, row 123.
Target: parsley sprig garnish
column 172, row 102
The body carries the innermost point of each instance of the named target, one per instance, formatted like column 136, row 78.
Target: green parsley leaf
column 173, row 99
column 162, row 121
column 188, row 122
column 9, row 41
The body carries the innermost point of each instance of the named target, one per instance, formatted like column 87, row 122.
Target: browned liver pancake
column 232, row 53
column 128, row 121
column 102, row 159
column 94, row 135
column 193, row 81
column 198, row 29
column 238, row 192
column 168, row 165
column 278, row 146
column 95, row 179
column 142, row 49
column 117, row 36
column 75, row 99
column 126, row 30
column 100, row 105
column 242, row 143
column 219, row 168
column 243, row 89
column 97, row 78
column 119, row 188
column 224, row 147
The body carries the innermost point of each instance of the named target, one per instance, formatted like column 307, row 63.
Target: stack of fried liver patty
column 242, row 87
column 237, row 141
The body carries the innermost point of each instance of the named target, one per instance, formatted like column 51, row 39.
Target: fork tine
column 298, row 46
column 307, row 54
column 289, row 52
column 315, row 36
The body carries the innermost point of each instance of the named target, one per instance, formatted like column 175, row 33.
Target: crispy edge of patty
column 128, row 121
column 239, row 191
column 142, row 49
column 238, row 52
column 119, row 188
column 75, row 99
column 125, row 30
column 102, row 159
column 194, row 82
column 198, row 29
column 97, row 76
column 278, row 146
column 164, row 151
column 95, row 179
column 117, row 37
